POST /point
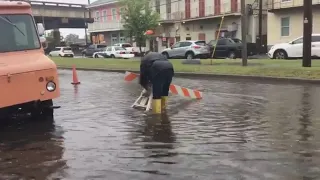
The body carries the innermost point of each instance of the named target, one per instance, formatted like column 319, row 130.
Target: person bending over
column 156, row 71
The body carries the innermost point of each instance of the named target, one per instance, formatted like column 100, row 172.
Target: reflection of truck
column 130, row 48
column 28, row 79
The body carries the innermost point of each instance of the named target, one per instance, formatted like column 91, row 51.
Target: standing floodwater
column 238, row 131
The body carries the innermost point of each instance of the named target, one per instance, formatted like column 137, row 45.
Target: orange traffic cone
column 75, row 76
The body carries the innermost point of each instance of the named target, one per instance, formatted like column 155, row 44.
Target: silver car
column 188, row 50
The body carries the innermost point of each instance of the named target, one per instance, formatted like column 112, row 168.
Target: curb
column 191, row 75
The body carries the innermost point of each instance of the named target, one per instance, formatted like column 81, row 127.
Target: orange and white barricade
column 174, row 89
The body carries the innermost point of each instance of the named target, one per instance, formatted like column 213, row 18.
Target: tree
column 71, row 38
column 138, row 17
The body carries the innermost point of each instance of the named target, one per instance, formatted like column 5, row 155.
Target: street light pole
column 307, row 31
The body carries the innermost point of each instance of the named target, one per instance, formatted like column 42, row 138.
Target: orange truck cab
column 28, row 79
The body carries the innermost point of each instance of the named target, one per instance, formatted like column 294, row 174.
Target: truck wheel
column 112, row 56
column 232, row 55
column 96, row 56
column 43, row 108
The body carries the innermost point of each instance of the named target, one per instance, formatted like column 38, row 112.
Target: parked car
column 188, row 50
column 251, row 47
column 114, row 52
column 230, row 48
column 89, row 51
column 130, row 48
column 294, row 48
column 62, row 52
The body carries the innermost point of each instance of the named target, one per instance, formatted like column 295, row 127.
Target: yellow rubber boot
column 156, row 106
column 164, row 100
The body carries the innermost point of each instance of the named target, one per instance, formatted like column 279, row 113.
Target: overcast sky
column 66, row 31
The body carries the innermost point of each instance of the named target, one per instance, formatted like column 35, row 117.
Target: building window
column 158, row 6
column 122, row 38
column 285, row 26
column 121, row 11
column 114, row 14
column 97, row 17
column 285, row 0
column 104, row 16
column 114, row 39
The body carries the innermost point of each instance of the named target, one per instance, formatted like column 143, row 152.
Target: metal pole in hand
column 307, row 31
column 244, row 19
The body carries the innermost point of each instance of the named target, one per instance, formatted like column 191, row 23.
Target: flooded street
column 240, row 130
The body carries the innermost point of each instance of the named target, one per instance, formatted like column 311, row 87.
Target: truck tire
column 42, row 109
column 112, row 56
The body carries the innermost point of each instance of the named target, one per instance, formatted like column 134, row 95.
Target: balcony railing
column 209, row 11
column 281, row 4
column 105, row 26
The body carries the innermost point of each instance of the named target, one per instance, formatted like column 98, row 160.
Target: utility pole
column 307, row 31
column 244, row 22
column 86, row 25
column 260, row 27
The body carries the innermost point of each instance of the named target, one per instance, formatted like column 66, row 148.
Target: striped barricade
column 174, row 89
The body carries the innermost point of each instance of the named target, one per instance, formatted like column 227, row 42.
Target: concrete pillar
column 56, row 37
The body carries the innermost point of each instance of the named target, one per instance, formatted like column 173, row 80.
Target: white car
column 294, row 49
column 130, row 48
column 114, row 52
column 62, row 52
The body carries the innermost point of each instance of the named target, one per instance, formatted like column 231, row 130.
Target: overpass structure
column 56, row 15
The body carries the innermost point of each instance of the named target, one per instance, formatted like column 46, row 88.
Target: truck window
column 212, row 42
column 237, row 40
column 18, row 33
column 222, row 42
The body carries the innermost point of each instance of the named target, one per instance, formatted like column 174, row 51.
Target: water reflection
column 158, row 130
column 30, row 149
column 305, row 145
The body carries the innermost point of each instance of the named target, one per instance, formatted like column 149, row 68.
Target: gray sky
column 66, row 31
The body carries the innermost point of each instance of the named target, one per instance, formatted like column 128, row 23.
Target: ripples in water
column 240, row 130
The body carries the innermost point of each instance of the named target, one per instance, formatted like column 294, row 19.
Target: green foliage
column 138, row 17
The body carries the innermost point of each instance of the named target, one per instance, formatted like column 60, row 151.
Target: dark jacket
column 151, row 65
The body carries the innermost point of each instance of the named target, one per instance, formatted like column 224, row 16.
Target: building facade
column 107, row 27
column 181, row 20
column 285, row 20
